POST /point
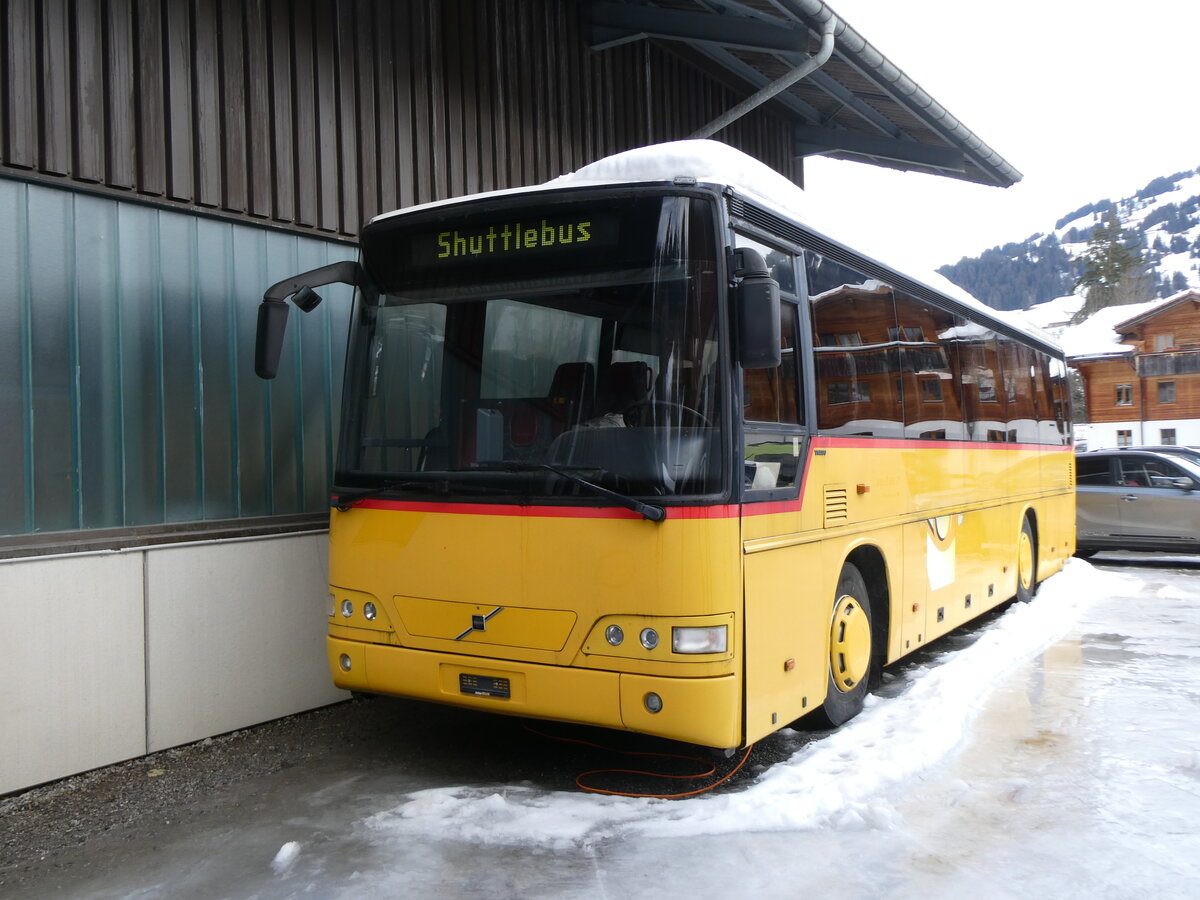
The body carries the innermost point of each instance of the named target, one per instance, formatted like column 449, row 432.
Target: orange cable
column 711, row 770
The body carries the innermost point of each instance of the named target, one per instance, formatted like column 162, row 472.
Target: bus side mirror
column 268, row 341
column 273, row 311
column 757, row 300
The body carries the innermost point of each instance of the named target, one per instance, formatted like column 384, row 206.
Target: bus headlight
column 347, row 608
column 708, row 639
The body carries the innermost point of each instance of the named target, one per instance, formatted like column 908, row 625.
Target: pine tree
column 1114, row 273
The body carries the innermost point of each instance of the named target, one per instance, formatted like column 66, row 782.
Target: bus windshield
column 533, row 350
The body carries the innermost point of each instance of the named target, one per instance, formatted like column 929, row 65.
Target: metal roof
column 857, row 105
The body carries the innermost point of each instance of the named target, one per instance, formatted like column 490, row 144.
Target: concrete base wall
column 109, row 656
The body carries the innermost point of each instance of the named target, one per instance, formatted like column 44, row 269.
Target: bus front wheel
column 850, row 657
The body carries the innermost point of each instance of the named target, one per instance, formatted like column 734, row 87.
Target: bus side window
column 1020, row 379
column 859, row 388
column 1060, row 398
column 985, row 396
column 931, row 393
column 772, row 414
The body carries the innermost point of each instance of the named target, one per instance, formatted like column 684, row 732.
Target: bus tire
column 850, row 659
column 1026, row 562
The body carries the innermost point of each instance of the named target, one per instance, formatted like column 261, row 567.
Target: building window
column 843, row 339
column 847, row 392
column 910, row 334
column 1124, row 437
column 1166, row 436
column 1163, row 342
column 987, row 386
column 1166, row 392
column 931, row 390
column 1124, row 395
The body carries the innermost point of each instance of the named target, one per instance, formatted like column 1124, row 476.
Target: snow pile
column 839, row 782
column 1053, row 315
column 285, row 857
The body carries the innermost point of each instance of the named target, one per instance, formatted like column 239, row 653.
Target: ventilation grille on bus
column 837, row 505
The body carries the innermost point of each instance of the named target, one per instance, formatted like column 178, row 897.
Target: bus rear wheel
column 850, row 645
column 1026, row 562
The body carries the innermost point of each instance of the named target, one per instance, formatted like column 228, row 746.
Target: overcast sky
column 1086, row 98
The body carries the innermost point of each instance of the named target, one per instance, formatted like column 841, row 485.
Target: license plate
column 484, row 686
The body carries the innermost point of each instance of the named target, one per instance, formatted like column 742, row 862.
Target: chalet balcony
column 1153, row 365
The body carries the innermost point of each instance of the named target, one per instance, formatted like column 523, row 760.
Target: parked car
column 1136, row 499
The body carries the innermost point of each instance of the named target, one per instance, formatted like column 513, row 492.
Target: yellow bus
column 644, row 449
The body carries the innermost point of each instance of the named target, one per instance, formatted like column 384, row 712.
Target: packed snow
column 890, row 743
column 285, row 857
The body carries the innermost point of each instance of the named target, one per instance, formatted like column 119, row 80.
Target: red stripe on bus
column 717, row 511
column 721, row 511
column 829, row 442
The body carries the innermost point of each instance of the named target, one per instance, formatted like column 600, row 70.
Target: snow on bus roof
column 718, row 163
column 708, row 161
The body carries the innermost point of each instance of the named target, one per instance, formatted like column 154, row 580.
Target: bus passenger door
column 784, row 627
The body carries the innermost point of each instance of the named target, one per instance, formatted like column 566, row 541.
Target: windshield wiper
column 347, row 499
column 439, row 484
column 645, row 510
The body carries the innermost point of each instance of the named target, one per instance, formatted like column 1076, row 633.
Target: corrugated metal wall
column 321, row 113
column 144, row 144
column 126, row 367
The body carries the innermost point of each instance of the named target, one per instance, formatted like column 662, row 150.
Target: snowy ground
column 1053, row 753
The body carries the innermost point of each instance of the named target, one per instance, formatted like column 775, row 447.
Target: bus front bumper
column 704, row 711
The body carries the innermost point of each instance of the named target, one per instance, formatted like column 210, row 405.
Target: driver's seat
column 624, row 384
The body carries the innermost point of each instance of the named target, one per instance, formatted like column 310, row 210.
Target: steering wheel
column 633, row 412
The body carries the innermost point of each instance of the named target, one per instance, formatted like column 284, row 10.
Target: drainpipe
column 764, row 94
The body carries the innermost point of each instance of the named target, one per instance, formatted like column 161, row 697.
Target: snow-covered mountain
column 1162, row 221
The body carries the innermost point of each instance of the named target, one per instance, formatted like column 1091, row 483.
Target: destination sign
column 474, row 245
column 518, row 238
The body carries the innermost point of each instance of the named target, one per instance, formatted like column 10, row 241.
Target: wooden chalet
column 1147, row 389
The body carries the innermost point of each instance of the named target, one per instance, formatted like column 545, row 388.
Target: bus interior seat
column 572, row 391
column 435, row 453
column 625, row 384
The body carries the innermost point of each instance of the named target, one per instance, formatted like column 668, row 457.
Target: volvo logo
column 479, row 623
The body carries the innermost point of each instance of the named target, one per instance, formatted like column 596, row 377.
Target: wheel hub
column 1025, row 560
column 849, row 643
